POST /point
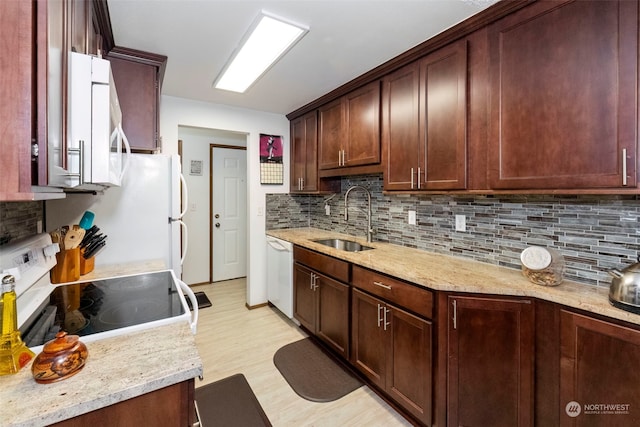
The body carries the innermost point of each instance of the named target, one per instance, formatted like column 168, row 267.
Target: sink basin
column 343, row 245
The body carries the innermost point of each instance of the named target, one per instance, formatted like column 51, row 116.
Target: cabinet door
column 16, row 92
column 400, row 128
column 137, row 86
column 304, row 148
column 370, row 341
column 599, row 366
column 563, row 109
column 298, row 154
column 304, row 308
column 80, row 24
column 333, row 314
column 331, row 134
column 409, row 371
column 362, row 109
column 443, row 117
column 490, row 364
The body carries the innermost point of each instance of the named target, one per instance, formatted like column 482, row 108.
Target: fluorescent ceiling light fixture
column 268, row 39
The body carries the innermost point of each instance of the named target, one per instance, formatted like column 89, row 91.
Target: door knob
column 216, row 216
column 217, row 225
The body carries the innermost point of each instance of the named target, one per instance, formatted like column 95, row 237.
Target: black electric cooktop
column 105, row 305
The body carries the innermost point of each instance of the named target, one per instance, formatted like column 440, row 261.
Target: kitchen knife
column 94, row 251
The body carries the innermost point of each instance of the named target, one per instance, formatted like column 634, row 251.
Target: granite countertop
column 117, row 369
column 447, row 273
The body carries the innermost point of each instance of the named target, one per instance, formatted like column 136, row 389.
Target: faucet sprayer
column 346, row 209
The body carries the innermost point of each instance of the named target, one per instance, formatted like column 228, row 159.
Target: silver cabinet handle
column 301, row 183
column 386, row 311
column 382, row 285
column 455, row 315
column 419, row 178
column 412, row 178
column 311, row 277
column 624, row 166
column 380, row 307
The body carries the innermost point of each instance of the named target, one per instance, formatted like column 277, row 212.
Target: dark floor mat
column 313, row 373
column 230, row 402
column 203, row 301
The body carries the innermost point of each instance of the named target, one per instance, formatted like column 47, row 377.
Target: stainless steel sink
column 343, row 245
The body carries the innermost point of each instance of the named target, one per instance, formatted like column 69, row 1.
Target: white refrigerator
column 141, row 218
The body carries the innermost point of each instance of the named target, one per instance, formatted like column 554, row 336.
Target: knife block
column 67, row 268
column 86, row 265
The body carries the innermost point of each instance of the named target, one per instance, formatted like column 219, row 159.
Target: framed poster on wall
column 271, row 163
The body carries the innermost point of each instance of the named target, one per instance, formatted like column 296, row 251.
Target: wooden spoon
column 73, row 237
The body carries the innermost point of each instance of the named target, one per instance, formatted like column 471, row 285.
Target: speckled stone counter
column 447, row 273
column 117, row 369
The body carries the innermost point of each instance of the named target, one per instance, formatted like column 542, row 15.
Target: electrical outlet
column 412, row 218
column 327, row 209
column 461, row 223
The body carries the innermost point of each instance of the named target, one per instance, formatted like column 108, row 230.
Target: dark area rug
column 203, row 301
column 313, row 373
column 230, row 402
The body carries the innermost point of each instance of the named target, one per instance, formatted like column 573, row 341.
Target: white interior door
column 229, row 213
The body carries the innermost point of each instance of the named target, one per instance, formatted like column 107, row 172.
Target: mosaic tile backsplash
column 594, row 233
column 19, row 219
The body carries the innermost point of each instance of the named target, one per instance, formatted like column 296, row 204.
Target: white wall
column 196, row 146
column 176, row 112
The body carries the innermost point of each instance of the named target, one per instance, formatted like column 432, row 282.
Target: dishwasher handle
column 278, row 246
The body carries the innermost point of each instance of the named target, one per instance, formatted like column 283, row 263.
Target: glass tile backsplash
column 594, row 233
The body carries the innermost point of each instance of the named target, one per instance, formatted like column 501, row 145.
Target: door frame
column 211, row 221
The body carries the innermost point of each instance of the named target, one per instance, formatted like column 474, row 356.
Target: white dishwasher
column 280, row 275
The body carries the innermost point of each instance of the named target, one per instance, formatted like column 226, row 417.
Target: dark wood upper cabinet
column 401, row 127
column 349, row 129
column 443, row 118
column 599, row 365
column 424, row 122
column 563, row 101
column 138, row 78
column 490, row 361
column 304, row 158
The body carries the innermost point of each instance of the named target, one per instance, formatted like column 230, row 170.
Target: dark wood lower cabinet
column 393, row 349
column 169, row 406
column 322, row 306
column 599, row 372
column 490, row 363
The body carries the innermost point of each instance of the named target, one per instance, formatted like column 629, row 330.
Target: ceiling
column 346, row 38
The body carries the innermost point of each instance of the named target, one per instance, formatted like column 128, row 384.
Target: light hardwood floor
column 232, row 339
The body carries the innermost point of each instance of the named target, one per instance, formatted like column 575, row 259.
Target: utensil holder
column 86, row 265
column 67, row 268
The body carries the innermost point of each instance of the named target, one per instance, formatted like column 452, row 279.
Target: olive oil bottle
column 14, row 354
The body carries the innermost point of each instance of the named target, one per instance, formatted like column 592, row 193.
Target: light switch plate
column 412, row 218
column 461, row 223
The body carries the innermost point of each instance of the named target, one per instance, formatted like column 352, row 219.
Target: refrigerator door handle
column 194, row 303
column 185, row 193
column 185, row 235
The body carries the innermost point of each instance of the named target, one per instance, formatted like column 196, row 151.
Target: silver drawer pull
column 382, row 285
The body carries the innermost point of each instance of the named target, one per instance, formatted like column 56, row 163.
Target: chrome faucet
column 346, row 209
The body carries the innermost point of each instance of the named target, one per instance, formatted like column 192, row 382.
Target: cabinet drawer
column 411, row 297
column 322, row 263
